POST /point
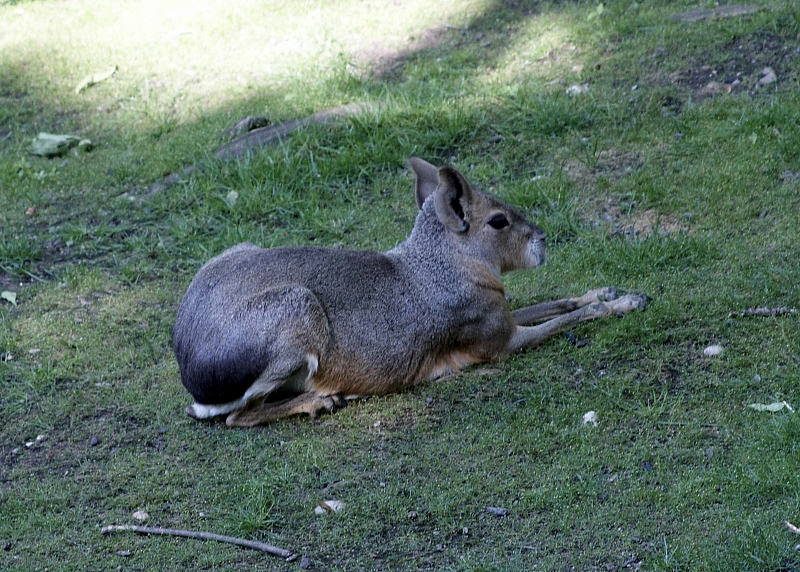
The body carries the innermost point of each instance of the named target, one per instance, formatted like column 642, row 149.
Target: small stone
column 496, row 510
column 756, row 378
column 94, row 441
column 123, row 553
column 578, row 89
column 768, row 76
column 712, row 351
column 40, row 438
column 590, row 418
column 305, row 563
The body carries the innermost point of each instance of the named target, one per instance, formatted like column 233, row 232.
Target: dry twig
column 779, row 311
column 791, row 527
column 263, row 547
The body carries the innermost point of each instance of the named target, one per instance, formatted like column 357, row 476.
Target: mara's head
column 483, row 225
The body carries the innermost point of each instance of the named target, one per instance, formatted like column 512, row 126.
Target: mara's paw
column 606, row 294
column 629, row 303
column 326, row 404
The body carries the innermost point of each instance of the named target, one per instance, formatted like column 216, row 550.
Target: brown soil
column 742, row 64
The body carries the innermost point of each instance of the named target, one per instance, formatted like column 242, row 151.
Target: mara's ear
column 427, row 179
column 453, row 197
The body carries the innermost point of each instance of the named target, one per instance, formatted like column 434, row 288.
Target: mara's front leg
column 546, row 310
column 532, row 336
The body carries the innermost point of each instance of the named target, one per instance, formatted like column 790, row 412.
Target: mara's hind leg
column 261, row 412
column 273, row 341
column 546, row 310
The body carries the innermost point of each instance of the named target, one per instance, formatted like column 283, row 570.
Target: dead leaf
column 772, row 407
column 327, row 506
column 231, row 198
column 10, row 297
column 92, row 79
column 30, row 211
column 578, row 89
column 141, row 515
column 182, row 31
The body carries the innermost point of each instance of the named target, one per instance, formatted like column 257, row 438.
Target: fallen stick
column 791, row 527
column 273, row 134
column 720, row 12
column 255, row 545
column 763, row 312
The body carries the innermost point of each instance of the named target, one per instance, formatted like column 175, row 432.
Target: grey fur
column 258, row 326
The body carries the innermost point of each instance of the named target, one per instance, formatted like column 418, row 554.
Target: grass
column 650, row 182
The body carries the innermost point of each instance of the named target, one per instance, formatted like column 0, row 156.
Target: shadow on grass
column 78, row 215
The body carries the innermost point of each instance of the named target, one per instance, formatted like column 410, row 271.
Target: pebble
column 712, row 351
column 768, row 76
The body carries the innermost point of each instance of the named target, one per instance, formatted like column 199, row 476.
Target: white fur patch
column 534, row 253
column 200, row 411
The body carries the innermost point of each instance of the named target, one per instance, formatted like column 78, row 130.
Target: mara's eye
column 498, row 221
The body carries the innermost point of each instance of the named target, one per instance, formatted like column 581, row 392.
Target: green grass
column 680, row 474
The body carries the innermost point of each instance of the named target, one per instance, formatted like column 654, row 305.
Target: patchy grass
column 653, row 180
